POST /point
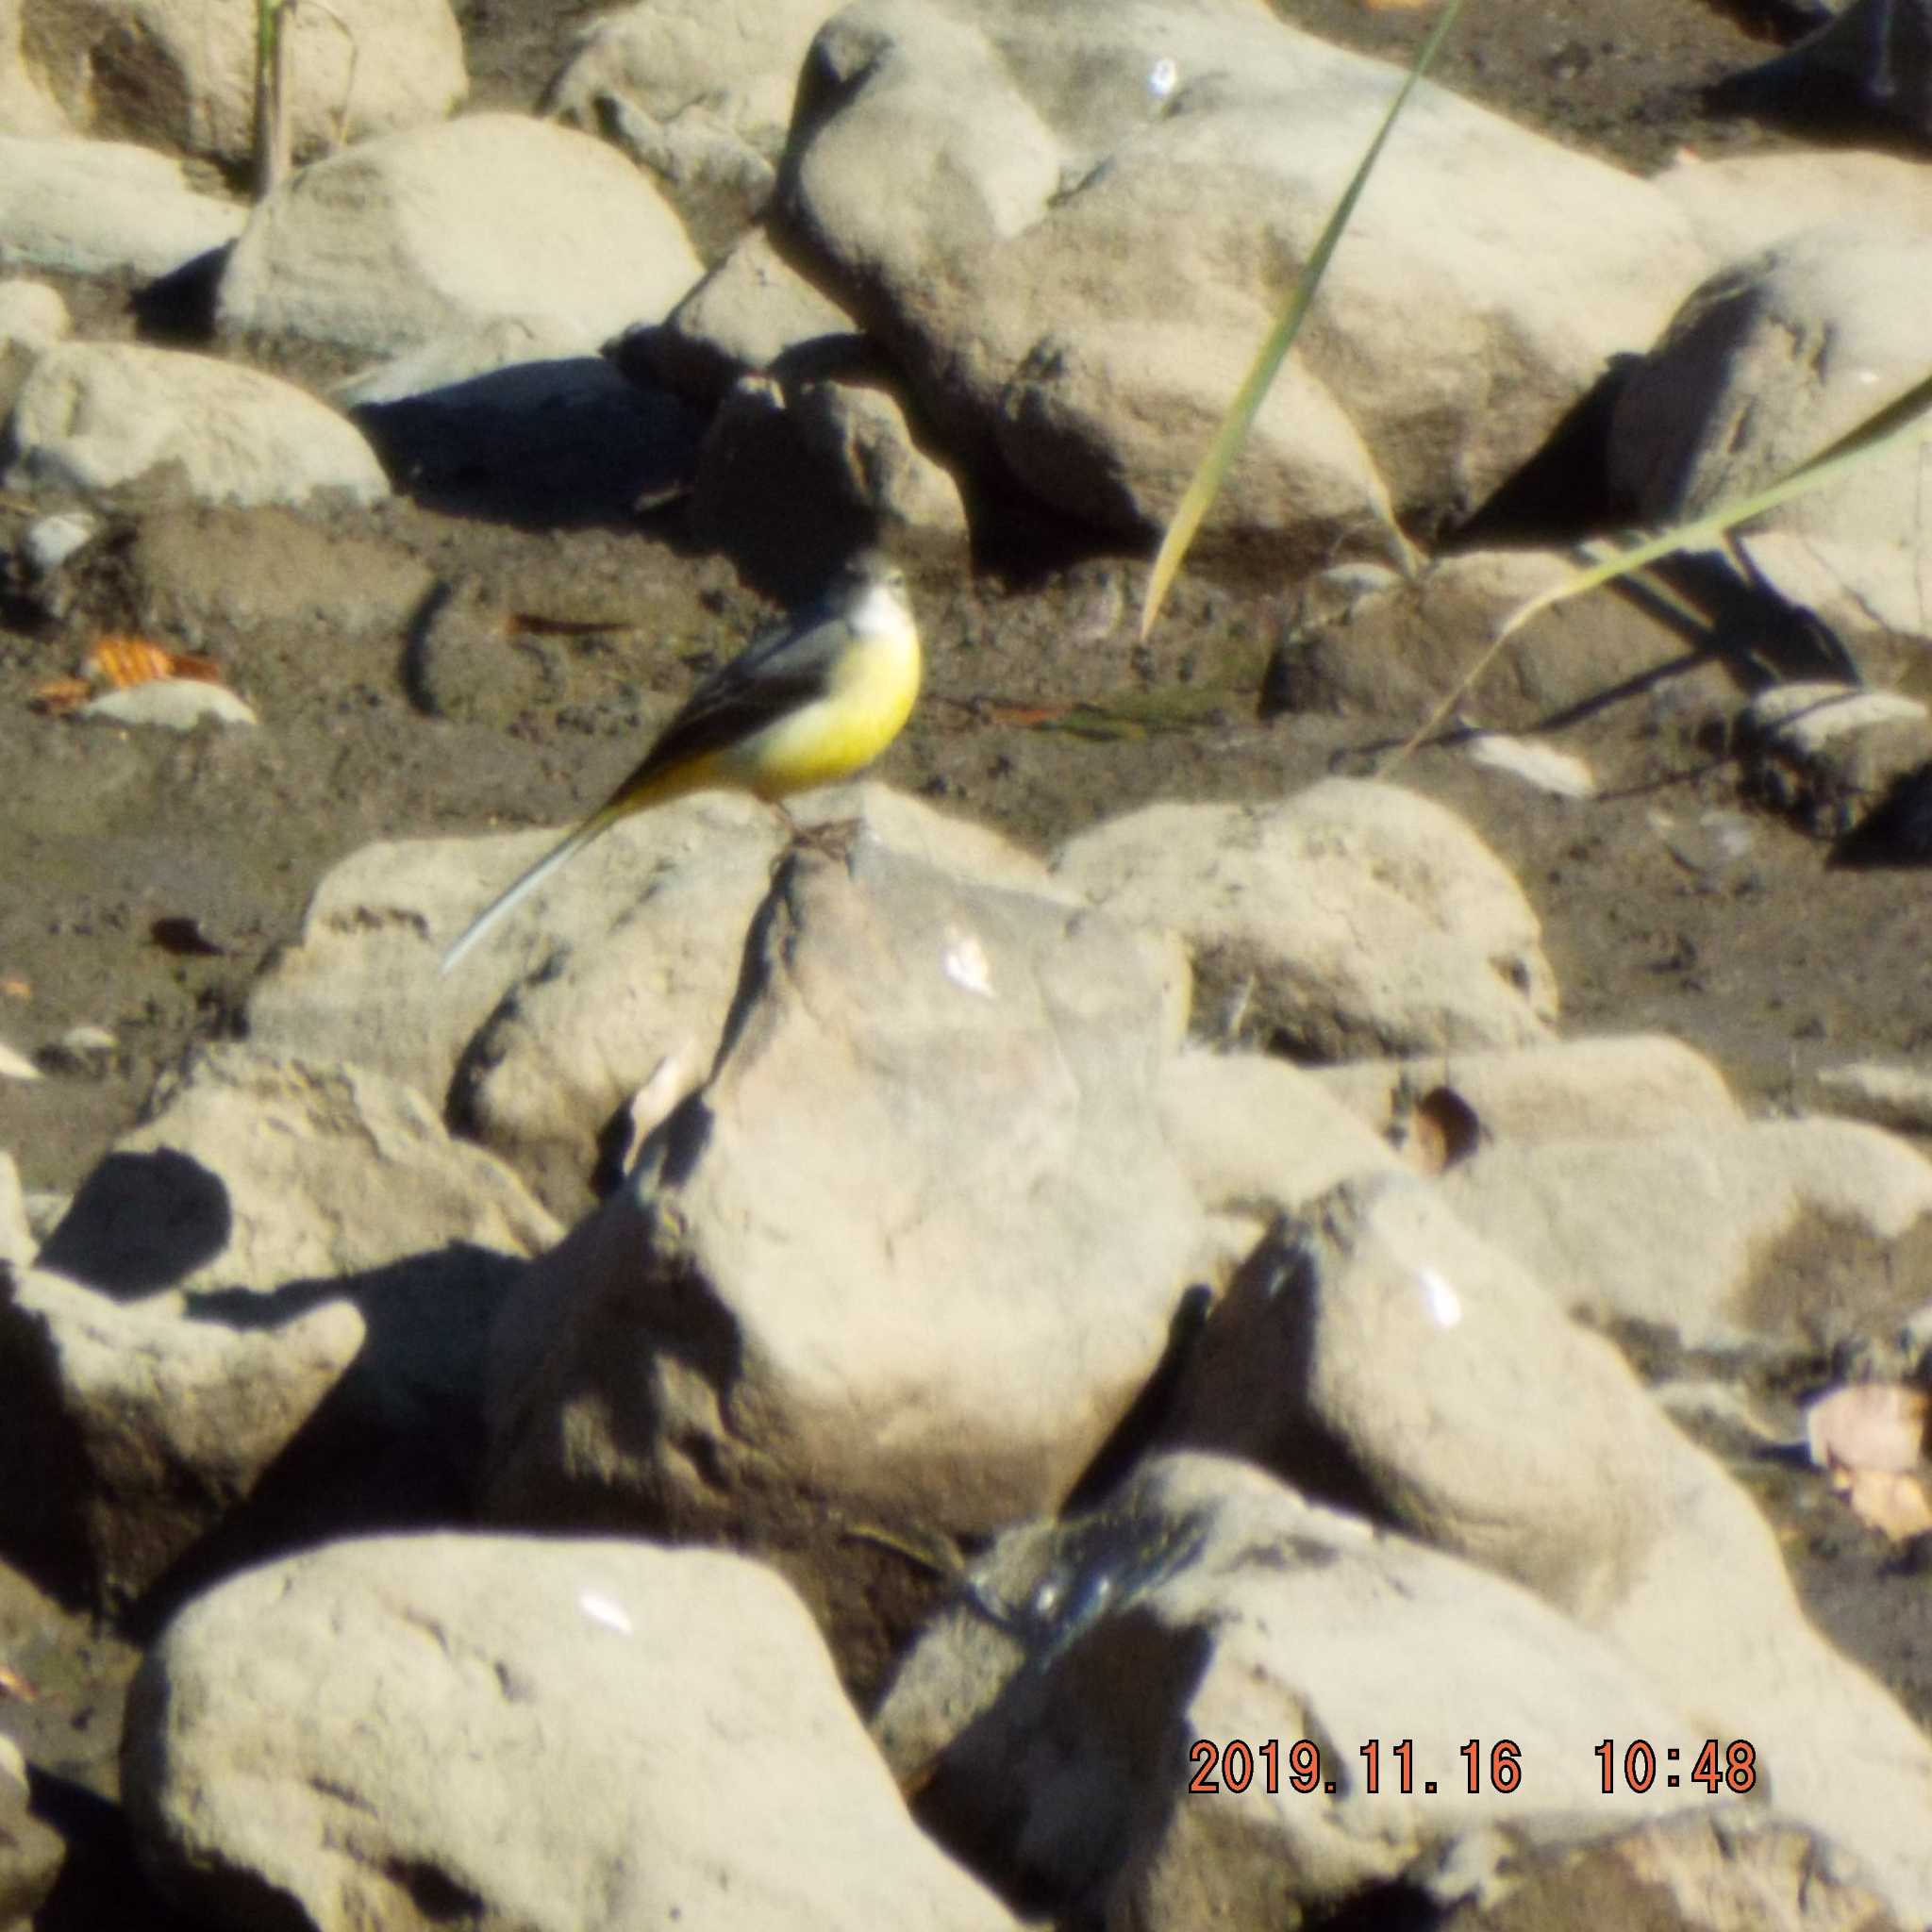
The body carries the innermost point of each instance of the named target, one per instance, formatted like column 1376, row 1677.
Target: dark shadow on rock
column 1865, row 76
column 1562, row 493
column 395, row 1444
column 1130, row 1437
column 140, row 1223
column 102, row 1884
column 565, row 443
column 179, row 306
column 1137, row 1674
column 1896, row 834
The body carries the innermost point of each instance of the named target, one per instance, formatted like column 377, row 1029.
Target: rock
column 14, row 1065
column 1560, row 774
column 102, row 208
column 747, row 312
column 718, row 183
column 24, row 106
column 17, row 1242
column 32, row 315
column 1107, row 1723
column 512, row 422
column 1767, row 364
column 1351, row 917
column 1826, row 754
column 172, row 704
column 32, row 319
column 798, row 1310
column 1382, row 1354
column 791, row 474
column 1898, row 1097
column 332, row 1733
column 557, row 1022
column 1034, row 306
column 1369, row 641
column 1701, row 1874
column 1260, row 1138
column 172, row 75
column 319, row 1264
column 1739, row 204
column 84, row 1053
column 253, row 1170
column 1779, row 1234
column 205, row 566
column 91, row 416
column 446, row 228
column 1621, row 1087
column 739, row 59
column 31, row 1852
column 51, row 541
column 131, row 1432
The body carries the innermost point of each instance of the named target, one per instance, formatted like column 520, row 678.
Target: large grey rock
column 1074, row 268
column 131, row 1432
column 1739, row 204
column 907, row 1256
column 1779, row 1234
column 1260, row 1138
column 626, row 965
column 1621, row 1086
column 178, row 75
column 1094, row 1720
column 1381, row 1352
column 91, row 416
column 1350, row 917
column 697, row 95
column 287, row 1269
column 568, row 1737
column 255, row 1169
column 749, row 312
column 1692, row 1873
column 1767, row 364
column 104, row 208
column 443, row 229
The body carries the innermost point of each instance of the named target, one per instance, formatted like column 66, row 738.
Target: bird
column 806, row 702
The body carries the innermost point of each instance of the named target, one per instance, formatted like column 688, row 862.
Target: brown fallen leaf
column 122, row 661
column 17, row 987
column 13, row 1685
column 1868, row 1426
column 60, row 695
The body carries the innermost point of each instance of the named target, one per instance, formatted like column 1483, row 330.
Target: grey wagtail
column 804, row 702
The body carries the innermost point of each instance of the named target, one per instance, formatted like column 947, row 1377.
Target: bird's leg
column 831, row 837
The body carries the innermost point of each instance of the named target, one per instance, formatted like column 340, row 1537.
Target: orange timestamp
column 1236, row 1765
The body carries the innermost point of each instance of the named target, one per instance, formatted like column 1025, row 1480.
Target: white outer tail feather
column 514, row 895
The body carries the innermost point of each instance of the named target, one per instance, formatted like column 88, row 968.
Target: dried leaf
column 125, row 661
column 13, row 1685
column 1869, row 1425
column 17, row 987
column 1892, row 1501
column 60, row 695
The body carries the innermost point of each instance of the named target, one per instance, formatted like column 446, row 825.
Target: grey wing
column 779, row 671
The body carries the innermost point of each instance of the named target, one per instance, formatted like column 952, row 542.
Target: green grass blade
column 1876, row 433
column 1234, row 428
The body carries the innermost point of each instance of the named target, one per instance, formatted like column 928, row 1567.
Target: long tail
column 559, row 855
